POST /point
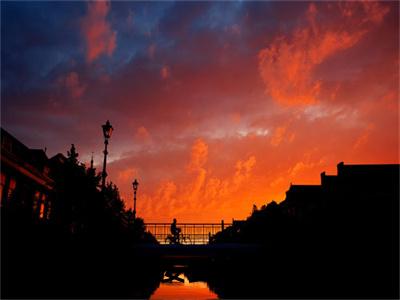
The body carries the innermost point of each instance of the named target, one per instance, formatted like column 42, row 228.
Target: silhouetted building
column 354, row 185
column 339, row 239
column 382, row 178
column 302, row 200
column 25, row 183
column 363, row 178
column 356, row 220
column 368, row 190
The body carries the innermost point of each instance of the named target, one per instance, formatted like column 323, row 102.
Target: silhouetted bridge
column 194, row 247
column 191, row 234
column 170, row 255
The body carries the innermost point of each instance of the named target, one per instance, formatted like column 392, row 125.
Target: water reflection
column 175, row 285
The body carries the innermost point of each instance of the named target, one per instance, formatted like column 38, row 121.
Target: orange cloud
column 373, row 11
column 287, row 66
column 243, row 170
column 202, row 190
column 235, row 117
column 278, row 135
column 363, row 138
column 142, row 133
column 250, row 149
column 199, row 155
column 162, row 202
column 100, row 38
column 127, row 175
column 165, row 196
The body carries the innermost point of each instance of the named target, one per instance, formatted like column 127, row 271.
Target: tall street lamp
column 135, row 185
column 107, row 131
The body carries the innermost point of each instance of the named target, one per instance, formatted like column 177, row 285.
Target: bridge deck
column 191, row 233
column 190, row 253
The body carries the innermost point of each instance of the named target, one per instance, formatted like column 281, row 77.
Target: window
column 41, row 207
column 48, row 211
column 42, row 211
column 11, row 188
column 36, row 202
column 2, row 186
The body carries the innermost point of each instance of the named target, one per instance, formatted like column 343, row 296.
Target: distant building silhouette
column 25, row 182
column 301, row 200
column 355, row 186
column 341, row 235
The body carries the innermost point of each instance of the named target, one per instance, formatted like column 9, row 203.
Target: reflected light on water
column 183, row 291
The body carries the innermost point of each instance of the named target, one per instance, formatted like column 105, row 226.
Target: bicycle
column 170, row 239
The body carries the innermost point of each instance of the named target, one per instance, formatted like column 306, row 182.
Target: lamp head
column 135, row 185
column 107, row 130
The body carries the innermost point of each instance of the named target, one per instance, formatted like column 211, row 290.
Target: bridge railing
column 191, row 233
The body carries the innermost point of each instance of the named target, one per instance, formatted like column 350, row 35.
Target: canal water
column 175, row 285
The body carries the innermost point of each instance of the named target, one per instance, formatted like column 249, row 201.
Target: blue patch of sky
column 136, row 24
column 36, row 38
column 219, row 16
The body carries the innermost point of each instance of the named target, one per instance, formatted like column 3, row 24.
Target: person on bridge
column 175, row 231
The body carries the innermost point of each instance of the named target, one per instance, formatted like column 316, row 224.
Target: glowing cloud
column 142, row 133
column 186, row 94
column 100, row 38
column 243, row 170
column 287, row 65
column 126, row 176
column 278, row 136
column 199, row 155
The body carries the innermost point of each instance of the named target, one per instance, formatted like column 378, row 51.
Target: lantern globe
column 135, row 185
column 107, row 129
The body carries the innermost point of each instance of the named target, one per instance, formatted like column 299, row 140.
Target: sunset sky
column 216, row 106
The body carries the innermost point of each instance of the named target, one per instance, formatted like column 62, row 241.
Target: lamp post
column 107, row 131
column 135, row 185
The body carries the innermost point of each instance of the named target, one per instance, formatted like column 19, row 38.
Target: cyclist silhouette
column 175, row 231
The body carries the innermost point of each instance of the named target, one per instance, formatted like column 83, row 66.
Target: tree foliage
column 84, row 212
